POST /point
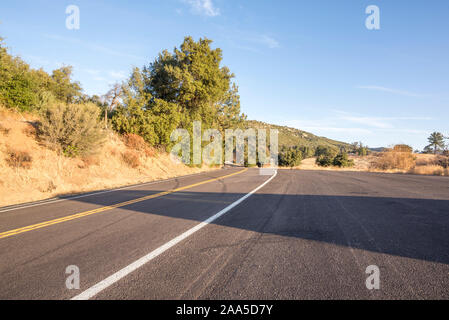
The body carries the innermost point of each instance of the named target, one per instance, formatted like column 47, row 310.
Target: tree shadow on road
column 406, row 227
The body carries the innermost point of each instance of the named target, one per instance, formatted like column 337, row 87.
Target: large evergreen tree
column 177, row 89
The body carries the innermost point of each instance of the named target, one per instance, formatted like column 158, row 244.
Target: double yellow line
column 103, row 209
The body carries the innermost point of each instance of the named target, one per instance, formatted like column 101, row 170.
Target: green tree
column 324, row 160
column 436, row 142
column 176, row 89
column 28, row 89
column 342, row 160
column 132, row 116
column 326, row 151
column 290, row 157
column 63, row 88
column 17, row 90
column 192, row 78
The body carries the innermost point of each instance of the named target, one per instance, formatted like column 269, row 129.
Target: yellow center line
column 106, row 208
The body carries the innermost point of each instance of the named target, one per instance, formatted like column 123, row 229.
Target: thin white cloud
column 376, row 122
column 92, row 72
column 368, row 121
column 344, row 122
column 117, row 74
column 93, row 47
column 97, row 78
column 407, row 131
column 267, row 41
column 336, row 129
column 323, row 126
column 390, row 90
column 203, row 7
column 40, row 62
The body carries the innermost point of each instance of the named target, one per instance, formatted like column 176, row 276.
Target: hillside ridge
column 290, row 137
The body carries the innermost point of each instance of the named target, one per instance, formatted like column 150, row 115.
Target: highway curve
column 295, row 235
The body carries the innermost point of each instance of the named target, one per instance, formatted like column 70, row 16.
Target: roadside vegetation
column 56, row 139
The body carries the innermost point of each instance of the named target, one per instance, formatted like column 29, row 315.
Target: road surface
column 300, row 235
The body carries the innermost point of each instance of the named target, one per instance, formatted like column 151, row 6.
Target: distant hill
column 294, row 137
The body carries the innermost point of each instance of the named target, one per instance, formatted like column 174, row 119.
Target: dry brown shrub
column 442, row 161
column 30, row 130
column 18, row 159
column 131, row 158
column 4, row 130
column 402, row 148
column 391, row 160
column 51, row 187
column 88, row 161
column 134, row 141
column 150, row 152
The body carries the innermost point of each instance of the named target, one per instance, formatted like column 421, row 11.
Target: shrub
column 131, row 159
column 326, row 151
column 392, row 159
column 363, row 151
column 290, row 158
column 150, row 152
column 72, row 128
column 19, row 159
column 30, row 130
column 402, row 148
column 442, row 161
column 50, row 187
column 4, row 130
column 134, row 141
column 324, row 160
column 341, row 160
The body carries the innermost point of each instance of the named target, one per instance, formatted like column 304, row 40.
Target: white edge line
column 44, row 202
column 100, row 286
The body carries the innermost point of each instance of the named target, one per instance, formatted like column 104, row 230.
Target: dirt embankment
column 29, row 171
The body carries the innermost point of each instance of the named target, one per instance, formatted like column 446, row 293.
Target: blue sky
column 312, row 65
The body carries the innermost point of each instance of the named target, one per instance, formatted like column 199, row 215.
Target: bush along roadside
column 340, row 160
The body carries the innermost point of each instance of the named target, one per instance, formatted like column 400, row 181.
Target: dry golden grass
column 18, row 159
column 430, row 170
column 52, row 174
column 394, row 160
column 131, row 158
column 425, row 164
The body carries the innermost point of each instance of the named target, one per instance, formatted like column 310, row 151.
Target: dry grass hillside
column 30, row 171
column 390, row 162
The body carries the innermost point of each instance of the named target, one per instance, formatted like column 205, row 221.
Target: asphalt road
column 303, row 235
